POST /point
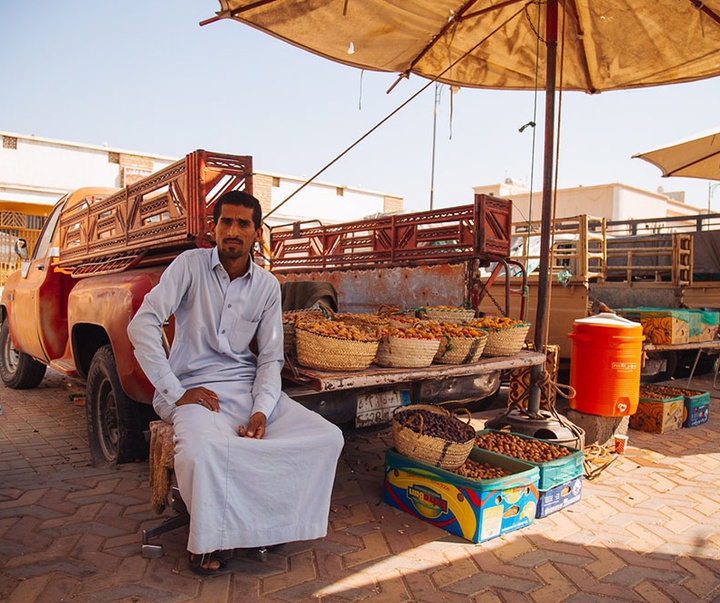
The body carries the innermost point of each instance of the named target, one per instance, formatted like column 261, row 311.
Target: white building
column 615, row 202
column 35, row 172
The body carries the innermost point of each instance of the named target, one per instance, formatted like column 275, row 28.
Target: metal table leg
column 692, row 372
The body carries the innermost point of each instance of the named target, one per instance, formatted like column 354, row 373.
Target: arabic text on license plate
column 377, row 407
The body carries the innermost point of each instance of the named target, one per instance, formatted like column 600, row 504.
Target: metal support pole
column 544, row 270
column 432, row 171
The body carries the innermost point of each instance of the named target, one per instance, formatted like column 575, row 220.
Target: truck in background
column 428, row 258
column 600, row 265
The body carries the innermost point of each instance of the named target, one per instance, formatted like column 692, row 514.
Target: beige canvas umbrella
column 694, row 157
column 584, row 45
column 502, row 44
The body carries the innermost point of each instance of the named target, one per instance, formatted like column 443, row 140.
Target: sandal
column 197, row 561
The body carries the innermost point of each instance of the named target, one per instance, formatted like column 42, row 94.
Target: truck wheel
column 17, row 369
column 113, row 420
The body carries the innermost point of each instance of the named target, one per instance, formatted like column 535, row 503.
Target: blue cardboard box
column 697, row 408
column 557, row 498
column 476, row 510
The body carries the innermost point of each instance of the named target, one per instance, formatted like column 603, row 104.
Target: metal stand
column 704, row 347
column 544, row 425
column 153, row 551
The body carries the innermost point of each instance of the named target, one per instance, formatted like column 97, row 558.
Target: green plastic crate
column 552, row 473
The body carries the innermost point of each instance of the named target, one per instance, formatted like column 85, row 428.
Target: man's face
column 235, row 232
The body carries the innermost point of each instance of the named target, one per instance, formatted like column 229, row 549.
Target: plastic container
column 605, row 364
column 552, row 473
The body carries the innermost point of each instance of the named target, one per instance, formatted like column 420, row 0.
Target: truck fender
column 99, row 311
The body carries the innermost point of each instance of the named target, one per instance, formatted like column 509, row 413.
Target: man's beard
column 236, row 250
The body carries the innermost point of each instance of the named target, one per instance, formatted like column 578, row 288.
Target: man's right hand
column 200, row 395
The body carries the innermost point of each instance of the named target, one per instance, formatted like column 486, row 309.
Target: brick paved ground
column 647, row 529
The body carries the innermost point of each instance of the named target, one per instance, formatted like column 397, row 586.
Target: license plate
column 377, row 408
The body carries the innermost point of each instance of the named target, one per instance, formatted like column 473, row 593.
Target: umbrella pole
column 541, row 317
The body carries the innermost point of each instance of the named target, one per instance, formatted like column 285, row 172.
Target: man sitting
column 254, row 467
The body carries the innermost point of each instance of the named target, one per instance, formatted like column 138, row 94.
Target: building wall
column 609, row 201
column 41, row 170
column 36, row 172
column 327, row 202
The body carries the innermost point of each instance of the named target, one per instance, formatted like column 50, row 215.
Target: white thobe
column 240, row 492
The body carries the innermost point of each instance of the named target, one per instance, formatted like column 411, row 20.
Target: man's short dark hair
column 239, row 198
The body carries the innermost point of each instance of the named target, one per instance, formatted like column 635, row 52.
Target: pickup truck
column 101, row 250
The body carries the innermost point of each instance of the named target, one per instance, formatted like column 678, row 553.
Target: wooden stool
column 161, row 463
column 162, row 492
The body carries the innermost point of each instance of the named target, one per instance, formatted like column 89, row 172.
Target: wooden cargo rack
column 139, row 225
column 477, row 231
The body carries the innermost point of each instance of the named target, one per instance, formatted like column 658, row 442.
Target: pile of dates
column 433, row 424
column 663, row 392
column 474, row 470
column 521, row 448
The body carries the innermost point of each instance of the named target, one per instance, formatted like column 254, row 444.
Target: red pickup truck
column 102, row 250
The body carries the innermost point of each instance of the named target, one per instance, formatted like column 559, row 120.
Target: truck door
column 38, row 320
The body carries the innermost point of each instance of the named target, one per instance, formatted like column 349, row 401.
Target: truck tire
column 113, row 419
column 17, row 369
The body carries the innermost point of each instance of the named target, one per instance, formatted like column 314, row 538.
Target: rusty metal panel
column 403, row 286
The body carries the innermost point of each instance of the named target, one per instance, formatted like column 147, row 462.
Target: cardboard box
column 662, row 326
column 476, row 510
column 670, row 326
column 559, row 497
column 658, row 416
column 552, row 473
column 696, row 410
column 696, row 403
column 706, row 331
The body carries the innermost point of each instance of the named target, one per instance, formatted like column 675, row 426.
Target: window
column 35, row 222
column 9, row 142
column 47, row 233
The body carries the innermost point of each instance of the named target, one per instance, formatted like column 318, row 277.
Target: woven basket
column 460, row 350
column 430, row 449
column 456, row 315
column 290, row 318
column 366, row 321
column 506, row 341
column 289, row 338
column 407, row 321
column 406, row 352
column 333, row 354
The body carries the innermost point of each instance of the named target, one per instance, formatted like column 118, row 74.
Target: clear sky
column 143, row 75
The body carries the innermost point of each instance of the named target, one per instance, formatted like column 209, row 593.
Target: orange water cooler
column 605, row 365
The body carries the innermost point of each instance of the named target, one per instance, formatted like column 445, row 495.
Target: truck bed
column 303, row 380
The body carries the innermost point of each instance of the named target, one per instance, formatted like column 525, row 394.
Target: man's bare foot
column 208, row 564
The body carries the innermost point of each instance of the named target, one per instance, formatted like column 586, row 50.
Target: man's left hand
column 255, row 428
